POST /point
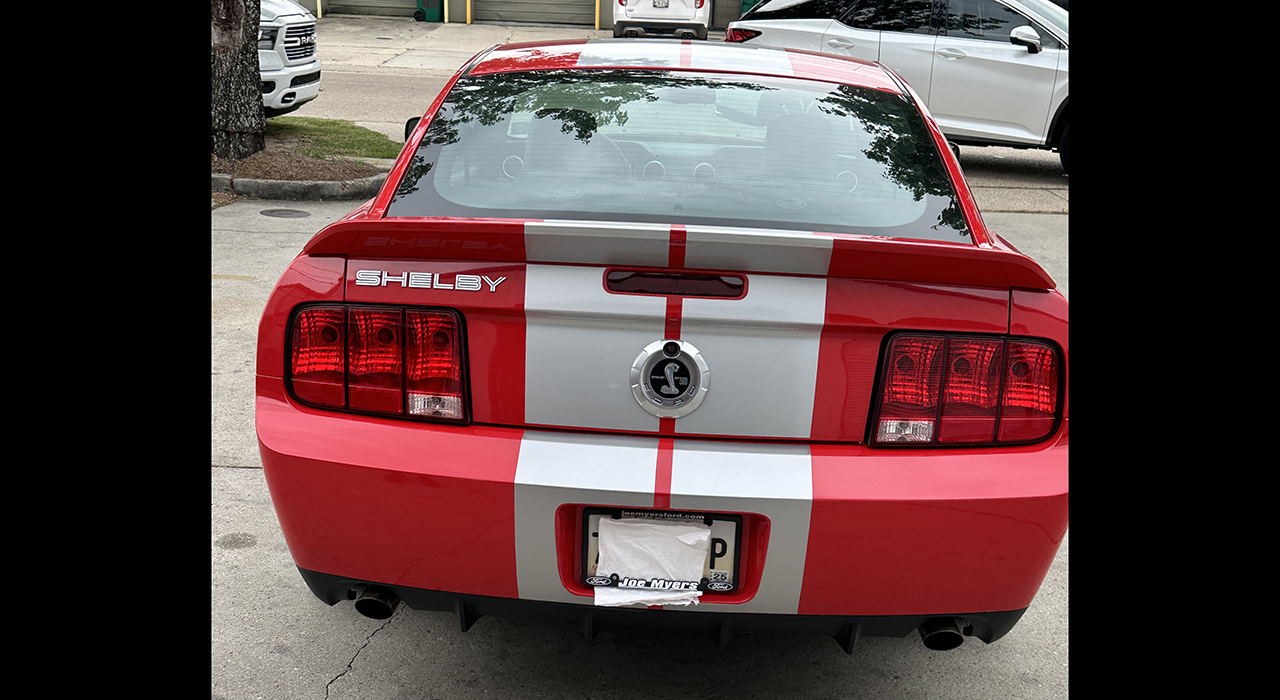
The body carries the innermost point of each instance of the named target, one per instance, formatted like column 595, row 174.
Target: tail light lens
column 1029, row 404
column 697, row 4
column 379, row 359
column 316, row 364
column 967, row 390
column 433, row 379
column 375, row 360
column 740, row 35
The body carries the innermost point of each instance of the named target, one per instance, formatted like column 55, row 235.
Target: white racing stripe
column 757, row 250
column 624, row 53
column 580, row 343
column 762, row 352
column 775, row 481
column 716, row 56
column 601, row 243
column 557, row 468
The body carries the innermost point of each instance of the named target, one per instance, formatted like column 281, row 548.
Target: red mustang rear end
column 697, row 335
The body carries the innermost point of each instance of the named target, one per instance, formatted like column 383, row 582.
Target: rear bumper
column 658, row 28
column 490, row 516
column 988, row 626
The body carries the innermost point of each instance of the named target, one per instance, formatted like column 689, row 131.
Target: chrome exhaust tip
column 377, row 603
column 942, row 633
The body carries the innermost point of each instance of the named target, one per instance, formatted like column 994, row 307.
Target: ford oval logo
column 599, row 580
column 719, row 586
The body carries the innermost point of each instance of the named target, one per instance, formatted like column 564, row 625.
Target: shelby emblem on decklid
column 669, row 378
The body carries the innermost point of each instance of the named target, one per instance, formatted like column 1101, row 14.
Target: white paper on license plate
column 719, row 566
column 654, row 562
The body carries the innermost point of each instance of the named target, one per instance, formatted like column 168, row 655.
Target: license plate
column 719, row 574
column 660, row 3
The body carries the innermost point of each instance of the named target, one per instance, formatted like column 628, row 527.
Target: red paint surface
column 911, row 532
column 662, row 481
column 427, row 506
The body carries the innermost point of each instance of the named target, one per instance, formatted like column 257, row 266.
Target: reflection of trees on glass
column 901, row 141
column 583, row 101
column 893, row 16
column 980, row 19
column 418, row 169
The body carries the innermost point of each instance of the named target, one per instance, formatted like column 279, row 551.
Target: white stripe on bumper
column 775, row 481
column 555, row 469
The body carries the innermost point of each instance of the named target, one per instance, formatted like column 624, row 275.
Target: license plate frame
column 710, row 582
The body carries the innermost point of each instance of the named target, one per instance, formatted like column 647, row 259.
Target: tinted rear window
column 688, row 148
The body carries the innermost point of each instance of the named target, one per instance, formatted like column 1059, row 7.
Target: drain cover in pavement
column 285, row 213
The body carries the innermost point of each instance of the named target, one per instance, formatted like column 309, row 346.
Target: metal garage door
column 550, row 11
column 382, row 8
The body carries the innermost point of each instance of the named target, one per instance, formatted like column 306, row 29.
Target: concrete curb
column 304, row 190
column 362, row 188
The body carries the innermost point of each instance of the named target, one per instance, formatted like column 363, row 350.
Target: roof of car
column 668, row 54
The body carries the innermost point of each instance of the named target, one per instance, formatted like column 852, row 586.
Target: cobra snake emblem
column 670, row 371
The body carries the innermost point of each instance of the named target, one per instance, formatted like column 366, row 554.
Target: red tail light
column 740, row 35
column 374, row 360
column 699, row 3
column 379, row 359
column 622, row 3
column 966, row 390
column 316, row 355
column 1030, row 401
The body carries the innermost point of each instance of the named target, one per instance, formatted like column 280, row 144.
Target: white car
column 287, row 56
column 991, row 72
column 683, row 19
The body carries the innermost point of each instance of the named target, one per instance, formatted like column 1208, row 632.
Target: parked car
column 683, row 19
column 287, row 56
column 674, row 333
column 992, row 72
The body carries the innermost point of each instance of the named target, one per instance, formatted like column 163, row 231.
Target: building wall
column 377, row 8
column 722, row 11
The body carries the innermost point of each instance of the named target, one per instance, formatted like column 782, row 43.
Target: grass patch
column 330, row 138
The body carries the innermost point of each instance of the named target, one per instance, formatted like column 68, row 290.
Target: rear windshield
column 684, row 148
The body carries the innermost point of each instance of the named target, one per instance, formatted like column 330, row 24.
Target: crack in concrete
column 362, row 646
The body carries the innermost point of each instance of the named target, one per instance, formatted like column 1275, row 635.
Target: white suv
column 683, row 19
column 287, row 56
column 991, row 72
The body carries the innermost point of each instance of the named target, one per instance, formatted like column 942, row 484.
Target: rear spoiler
column 989, row 264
